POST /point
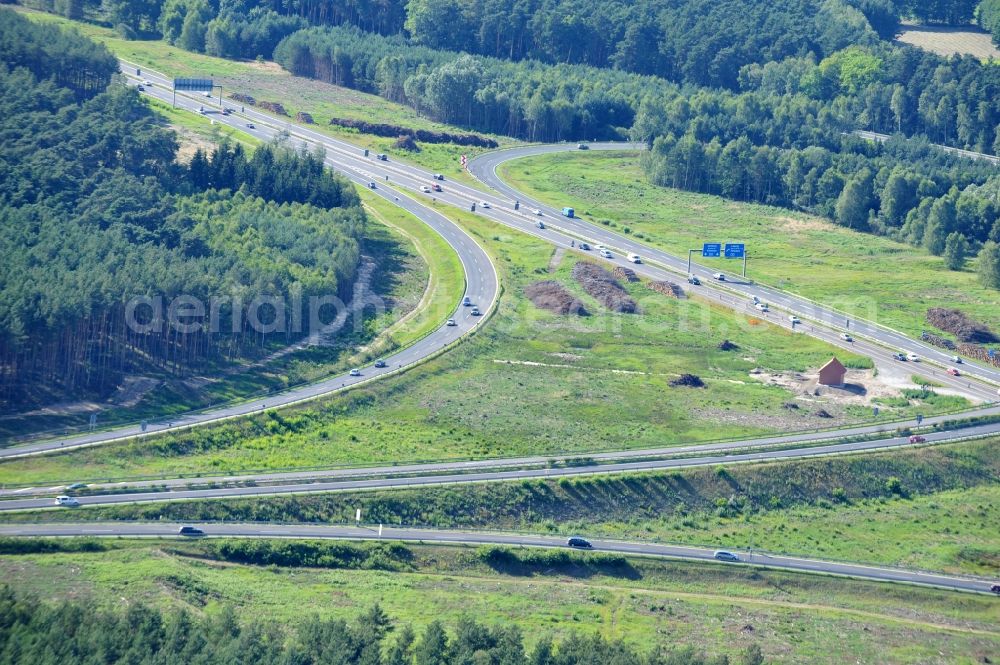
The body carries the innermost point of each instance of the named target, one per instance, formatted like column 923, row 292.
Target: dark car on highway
column 579, row 542
column 190, row 531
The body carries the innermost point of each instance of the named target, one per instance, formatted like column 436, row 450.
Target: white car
column 846, row 337
column 451, row 323
column 484, row 204
column 607, row 254
column 538, row 212
column 425, row 189
column 634, row 258
column 762, row 306
column 148, row 83
column 794, row 319
column 355, row 372
column 957, row 360
column 64, row 500
column 208, row 94
column 912, row 357
column 719, row 276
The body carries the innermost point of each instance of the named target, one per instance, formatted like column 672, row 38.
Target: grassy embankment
column 529, row 382
column 932, row 508
column 647, row 602
column 266, row 81
column 864, row 275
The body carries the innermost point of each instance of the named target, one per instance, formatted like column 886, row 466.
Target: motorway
column 451, row 476
column 482, row 282
column 969, row 154
column 482, row 287
column 814, row 315
column 883, row 433
column 755, row 558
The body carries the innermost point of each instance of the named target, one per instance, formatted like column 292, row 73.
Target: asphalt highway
column 492, row 475
column 814, row 315
column 465, row 466
column 482, row 287
column 402, row 184
column 754, row 558
column 882, row 138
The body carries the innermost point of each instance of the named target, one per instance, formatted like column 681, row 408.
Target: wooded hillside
column 96, row 213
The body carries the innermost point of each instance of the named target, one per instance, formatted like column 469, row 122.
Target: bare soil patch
column 860, row 388
column 946, row 41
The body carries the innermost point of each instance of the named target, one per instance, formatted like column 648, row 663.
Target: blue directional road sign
column 734, row 250
column 196, row 85
column 711, row 249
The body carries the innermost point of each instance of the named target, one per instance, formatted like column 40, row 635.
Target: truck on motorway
column 568, row 212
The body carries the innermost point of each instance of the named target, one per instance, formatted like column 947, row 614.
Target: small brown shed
column 832, row 373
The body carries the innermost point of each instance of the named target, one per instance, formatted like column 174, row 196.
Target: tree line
column 988, row 17
column 679, row 40
column 96, row 212
column 41, row 633
column 897, row 189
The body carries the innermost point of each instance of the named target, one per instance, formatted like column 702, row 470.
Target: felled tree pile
column 621, row 272
column 554, row 297
column 243, row 99
column 603, row 286
column 937, row 340
column 960, row 325
column 406, row 142
column 979, row 353
column 274, row 107
column 304, row 118
column 667, row 289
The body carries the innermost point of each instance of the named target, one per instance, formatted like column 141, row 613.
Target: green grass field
column 266, row 81
column 794, row 618
column 866, row 276
column 529, row 382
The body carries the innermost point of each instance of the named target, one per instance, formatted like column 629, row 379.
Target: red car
column 916, row 438
column 954, row 372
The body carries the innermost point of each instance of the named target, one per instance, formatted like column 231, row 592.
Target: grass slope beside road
column 528, row 382
column 866, row 276
column 928, row 508
column 646, row 602
column 267, row 81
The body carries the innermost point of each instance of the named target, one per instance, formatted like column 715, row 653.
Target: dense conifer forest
column 96, row 212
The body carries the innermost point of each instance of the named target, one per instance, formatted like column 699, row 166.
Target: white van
column 64, row 500
column 634, row 258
